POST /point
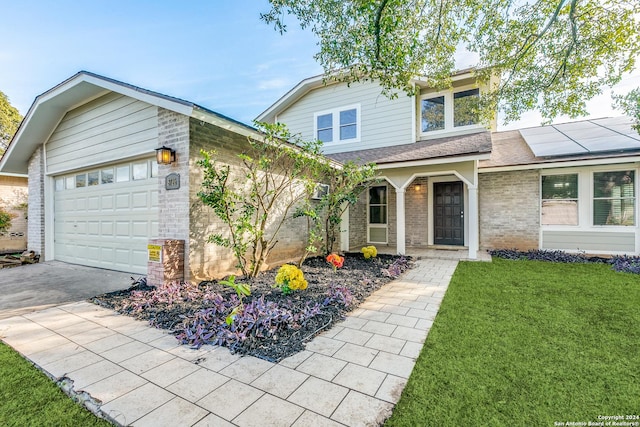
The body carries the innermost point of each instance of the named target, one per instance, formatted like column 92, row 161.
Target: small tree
column 325, row 215
column 255, row 201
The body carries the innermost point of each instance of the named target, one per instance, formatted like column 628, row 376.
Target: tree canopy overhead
column 551, row 55
column 10, row 119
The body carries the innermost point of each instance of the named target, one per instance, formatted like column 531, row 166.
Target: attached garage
column 105, row 216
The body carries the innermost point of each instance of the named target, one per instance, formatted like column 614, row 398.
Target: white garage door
column 105, row 216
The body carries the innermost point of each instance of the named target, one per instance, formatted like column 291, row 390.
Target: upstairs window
column 338, row 125
column 449, row 111
column 465, row 107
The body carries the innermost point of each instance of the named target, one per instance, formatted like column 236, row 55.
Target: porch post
column 400, row 245
column 473, row 222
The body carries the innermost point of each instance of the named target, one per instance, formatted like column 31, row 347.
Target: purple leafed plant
column 338, row 294
column 399, row 266
column 258, row 319
column 167, row 294
column 626, row 264
column 544, row 255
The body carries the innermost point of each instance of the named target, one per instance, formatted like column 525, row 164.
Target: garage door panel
column 93, row 204
column 107, row 225
column 106, row 203
column 122, row 201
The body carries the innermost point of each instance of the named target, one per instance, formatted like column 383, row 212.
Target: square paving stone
column 361, row 379
column 269, row 411
column 402, row 320
column 376, row 315
column 388, row 344
column 295, row 360
column 393, row 364
column 197, row 385
column 319, row 396
column 78, row 328
column 72, row 363
column 52, row 355
column 129, row 407
column 167, row 342
column 356, row 354
column 91, row 335
column 379, row 327
column 170, row 372
column 411, row 349
column 230, row 399
column 311, row 419
column 354, row 336
column 174, row 412
column 126, row 351
column 93, row 373
column 322, row 366
column 246, row 369
column 409, row 334
column 218, row 359
column 108, row 343
column 358, row 410
column 280, row 381
column 151, row 334
column 353, row 322
column 323, row 345
column 213, row 420
column 48, row 343
column 114, row 386
column 391, row 389
column 147, row 360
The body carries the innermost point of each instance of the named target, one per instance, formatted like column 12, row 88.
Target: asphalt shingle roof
column 477, row 143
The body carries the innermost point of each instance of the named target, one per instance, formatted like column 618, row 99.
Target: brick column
column 170, row 267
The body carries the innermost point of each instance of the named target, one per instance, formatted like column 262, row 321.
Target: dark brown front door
column 448, row 213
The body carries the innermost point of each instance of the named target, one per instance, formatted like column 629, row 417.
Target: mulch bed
column 361, row 277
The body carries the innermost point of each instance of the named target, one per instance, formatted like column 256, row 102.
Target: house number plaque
column 172, row 181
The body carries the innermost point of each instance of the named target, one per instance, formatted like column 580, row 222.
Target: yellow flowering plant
column 290, row 278
column 369, row 252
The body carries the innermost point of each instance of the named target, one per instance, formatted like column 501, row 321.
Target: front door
column 448, row 213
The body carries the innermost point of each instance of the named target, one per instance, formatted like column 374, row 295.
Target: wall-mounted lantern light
column 165, row 155
column 417, row 187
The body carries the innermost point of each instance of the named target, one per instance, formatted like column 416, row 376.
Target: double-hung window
column 560, row 199
column 338, row 125
column 377, row 201
column 614, row 198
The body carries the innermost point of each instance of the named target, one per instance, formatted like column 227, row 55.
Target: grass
column 30, row 398
column 528, row 343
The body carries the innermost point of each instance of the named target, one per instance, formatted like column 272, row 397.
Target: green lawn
column 527, row 343
column 29, row 398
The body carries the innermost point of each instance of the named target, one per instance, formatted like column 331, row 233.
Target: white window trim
column 449, row 128
column 384, row 226
column 335, row 112
column 586, row 197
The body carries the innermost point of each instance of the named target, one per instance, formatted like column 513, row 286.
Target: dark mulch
column 361, row 277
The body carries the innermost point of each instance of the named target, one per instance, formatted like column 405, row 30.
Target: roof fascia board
column 561, row 164
column 297, row 92
column 436, row 161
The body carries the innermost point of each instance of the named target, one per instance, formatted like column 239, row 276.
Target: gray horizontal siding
column 106, row 129
column 592, row 241
column 384, row 121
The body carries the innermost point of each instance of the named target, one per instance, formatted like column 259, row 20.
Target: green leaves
column 10, row 119
column 552, row 55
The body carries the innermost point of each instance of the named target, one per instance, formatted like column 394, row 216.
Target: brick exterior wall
column 509, row 210
column 171, row 267
column 416, row 213
column 13, row 199
column 35, row 211
column 358, row 220
column 207, row 260
column 173, row 132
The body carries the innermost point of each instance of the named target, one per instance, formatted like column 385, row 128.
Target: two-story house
column 449, row 182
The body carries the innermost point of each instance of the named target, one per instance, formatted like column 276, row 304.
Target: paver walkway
column 350, row 375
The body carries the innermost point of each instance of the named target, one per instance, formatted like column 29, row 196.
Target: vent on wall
column 320, row 191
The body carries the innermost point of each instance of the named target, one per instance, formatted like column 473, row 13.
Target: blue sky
column 215, row 53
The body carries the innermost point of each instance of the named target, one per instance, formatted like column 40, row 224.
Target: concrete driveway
column 32, row 287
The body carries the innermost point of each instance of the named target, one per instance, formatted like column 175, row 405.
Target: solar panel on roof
column 584, row 137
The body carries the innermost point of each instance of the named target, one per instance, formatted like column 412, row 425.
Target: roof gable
column 50, row 107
